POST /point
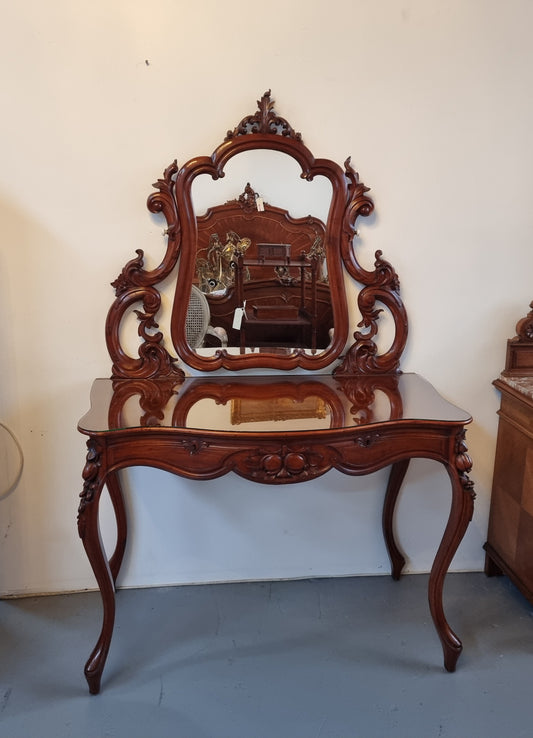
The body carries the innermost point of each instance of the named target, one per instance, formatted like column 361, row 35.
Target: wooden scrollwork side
column 381, row 285
column 136, row 286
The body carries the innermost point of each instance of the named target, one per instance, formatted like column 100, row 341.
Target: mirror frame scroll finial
column 263, row 130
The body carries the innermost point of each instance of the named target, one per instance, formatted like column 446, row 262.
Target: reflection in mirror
column 276, row 177
column 295, row 404
column 256, row 403
column 262, row 268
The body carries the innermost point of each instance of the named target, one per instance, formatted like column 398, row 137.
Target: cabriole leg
column 461, row 511
column 117, row 498
column 396, row 477
column 89, row 531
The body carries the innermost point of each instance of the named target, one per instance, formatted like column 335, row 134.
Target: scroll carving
column 361, row 391
column 154, row 360
column 524, row 327
column 519, row 359
column 154, row 396
column 381, row 285
column 136, row 286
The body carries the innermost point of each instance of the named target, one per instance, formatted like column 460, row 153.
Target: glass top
column 265, row 404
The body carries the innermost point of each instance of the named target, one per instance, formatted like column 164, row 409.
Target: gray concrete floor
column 324, row 658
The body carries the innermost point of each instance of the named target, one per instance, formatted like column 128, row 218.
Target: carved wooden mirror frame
column 136, row 286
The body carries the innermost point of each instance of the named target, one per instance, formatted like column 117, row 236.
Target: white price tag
column 259, row 204
column 237, row 318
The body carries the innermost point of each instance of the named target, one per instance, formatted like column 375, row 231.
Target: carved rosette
column 136, row 286
column 91, row 481
column 193, row 445
column 367, row 439
column 285, row 464
column 463, row 463
column 264, row 120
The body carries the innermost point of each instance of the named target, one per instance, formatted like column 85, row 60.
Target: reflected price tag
column 237, row 318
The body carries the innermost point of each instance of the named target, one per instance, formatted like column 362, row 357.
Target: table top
column 295, row 403
column 523, row 385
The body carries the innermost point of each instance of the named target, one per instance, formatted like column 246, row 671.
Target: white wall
column 433, row 102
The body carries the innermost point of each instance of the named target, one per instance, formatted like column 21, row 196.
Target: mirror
column 260, row 234
column 273, row 281
column 263, row 271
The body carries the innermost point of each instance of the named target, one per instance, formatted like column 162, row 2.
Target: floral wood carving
column 367, row 439
column 463, row 463
column 285, row 464
column 91, row 481
column 264, row 120
column 193, row 445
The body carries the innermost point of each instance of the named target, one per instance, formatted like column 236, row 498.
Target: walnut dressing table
column 280, row 428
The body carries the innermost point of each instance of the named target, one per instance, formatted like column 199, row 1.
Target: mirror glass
column 261, row 263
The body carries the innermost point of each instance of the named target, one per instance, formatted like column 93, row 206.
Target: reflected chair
column 197, row 321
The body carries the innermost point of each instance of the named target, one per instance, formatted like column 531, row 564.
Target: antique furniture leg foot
column 397, row 475
column 461, row 511
column 89, row 532
column 491, row 567
column 117, row 498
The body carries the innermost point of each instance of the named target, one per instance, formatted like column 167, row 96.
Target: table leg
column 461, row 511
column 89, row 530
column 117, row 498
column 396, row 477
column 491, row 567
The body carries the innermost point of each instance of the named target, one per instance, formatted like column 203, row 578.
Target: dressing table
column 326, row 400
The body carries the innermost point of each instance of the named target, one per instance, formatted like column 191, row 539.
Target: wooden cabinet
column 509, row 546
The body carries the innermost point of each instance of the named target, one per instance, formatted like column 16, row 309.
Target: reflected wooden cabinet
column 509, row 547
